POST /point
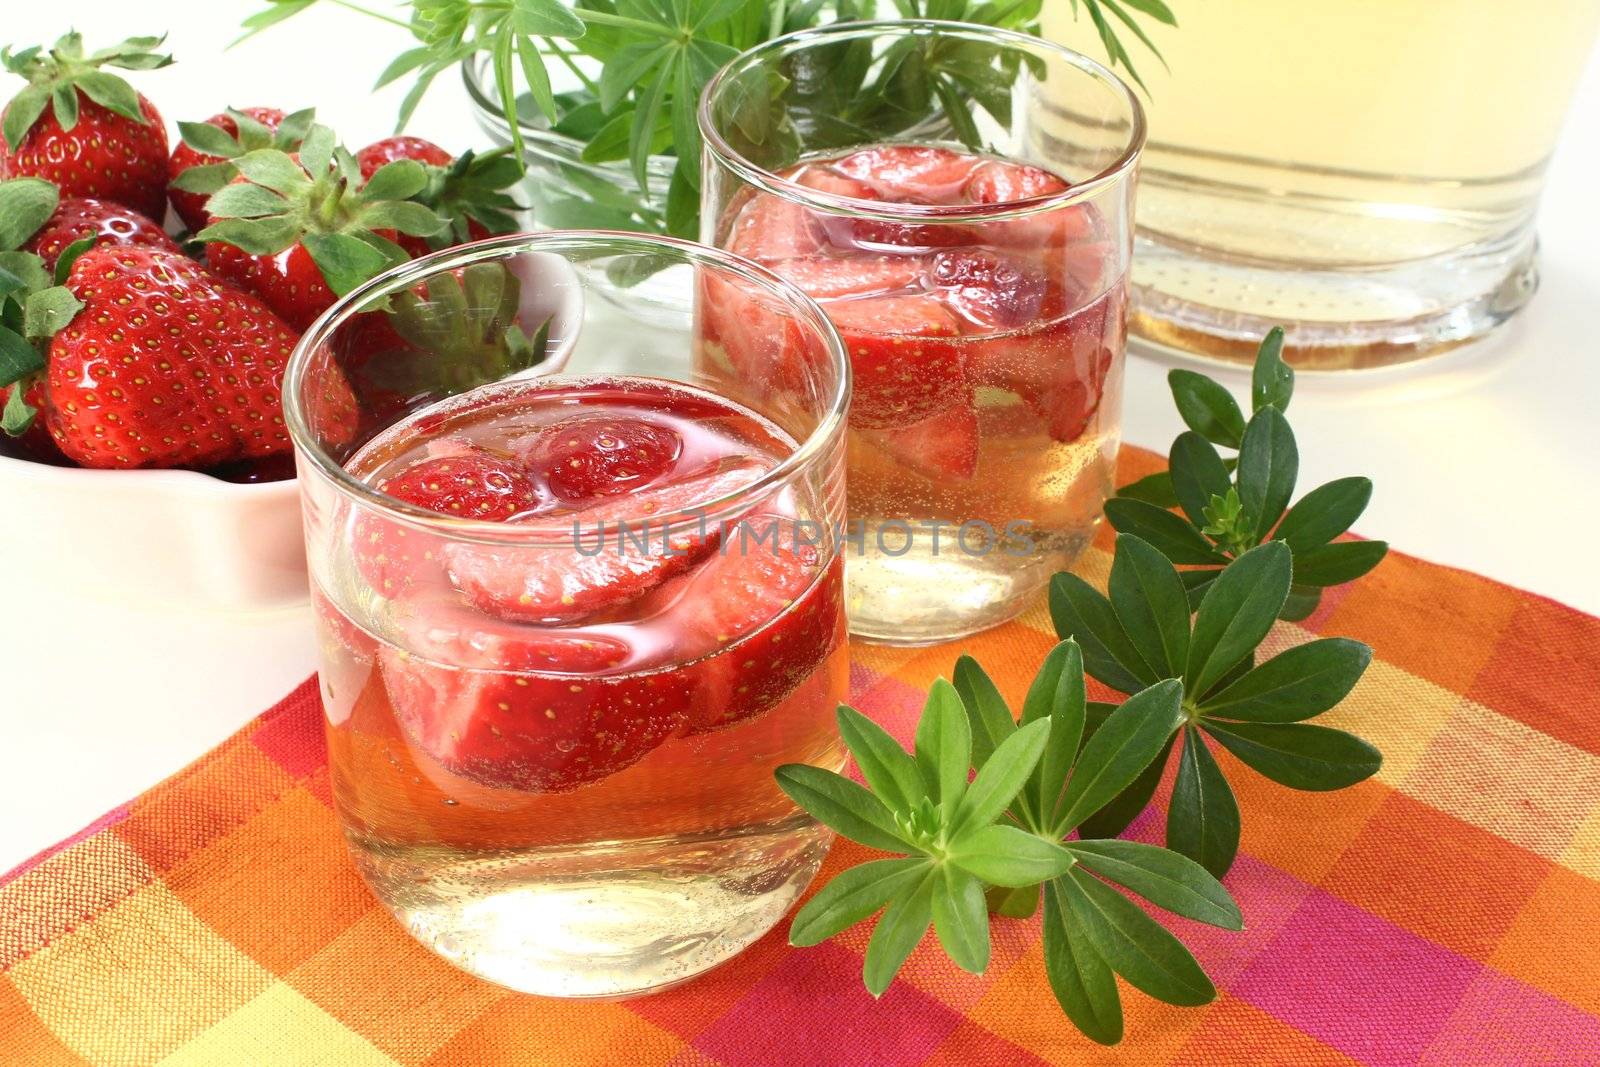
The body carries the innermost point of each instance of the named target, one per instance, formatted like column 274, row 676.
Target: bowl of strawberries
column 141, row 363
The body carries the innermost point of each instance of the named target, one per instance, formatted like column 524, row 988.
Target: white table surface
column 1488, row 460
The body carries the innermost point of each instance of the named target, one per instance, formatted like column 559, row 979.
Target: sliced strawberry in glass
column 829, row 278
column 528, row 713
column 942, row 446
column 991, row 290
column 591, row 456
column 772, row 612
column 906, row 366
column 1058, row 371
column 997, row 181
column 771, row 228
column 462, row 482
column 924, row 173
column 612, row 554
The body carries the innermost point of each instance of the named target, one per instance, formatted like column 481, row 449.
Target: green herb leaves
column 1255, row 711
column 1231, row 505
column 1003, row 832
column 640, row 65
column 1184, row 646
column 922, row 805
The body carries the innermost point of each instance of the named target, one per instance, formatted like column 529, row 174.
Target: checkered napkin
column 1445, row 912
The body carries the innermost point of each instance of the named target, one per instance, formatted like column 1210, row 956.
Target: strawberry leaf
column 26, row 204
column 23, row 111
column 18, row 415
column 111, row 93
column 48, row 310
column 18, row 358
column 345, row 261
column 397, row 180
column 276, row 170
column 210, row 140
column 260, row 237
column 69, row 255
column 245, row 201
column 204, row 178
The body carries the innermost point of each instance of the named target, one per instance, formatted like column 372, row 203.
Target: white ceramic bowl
column 178, row 538
column 159, row 537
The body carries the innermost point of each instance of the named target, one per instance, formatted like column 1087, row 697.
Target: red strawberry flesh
column 591, row 456
column 608, row 555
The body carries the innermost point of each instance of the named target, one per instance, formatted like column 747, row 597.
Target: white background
column 1487, row 460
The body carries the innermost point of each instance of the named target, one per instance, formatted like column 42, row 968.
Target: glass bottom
column 607, row 920
column 1191, row 302
column 919, row 597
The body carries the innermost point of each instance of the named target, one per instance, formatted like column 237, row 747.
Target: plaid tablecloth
column 1446, row 912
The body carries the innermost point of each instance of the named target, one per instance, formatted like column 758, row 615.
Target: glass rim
column 763, row 179
column 558, row 531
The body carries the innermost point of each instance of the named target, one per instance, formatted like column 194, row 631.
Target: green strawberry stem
column 318, row 199
column 55, row 78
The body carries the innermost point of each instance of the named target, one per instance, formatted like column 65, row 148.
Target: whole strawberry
column 301, row 230
column 203, row 162
column 468, row 192
column 84, row 129
column 107, row 223
column 164, row 365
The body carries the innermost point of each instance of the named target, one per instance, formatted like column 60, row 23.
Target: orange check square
column 1298, row 832
column 1410, row 857
column 1237, row 1034
column 25, row 1039
column 201, row 803
column 536, row 1030
column 289, row 859
column 1401, row 609
column 1553, row 944
column 378, row 981
column 1545, row 672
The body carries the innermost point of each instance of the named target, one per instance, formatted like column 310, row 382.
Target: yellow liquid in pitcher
column 1364, row 168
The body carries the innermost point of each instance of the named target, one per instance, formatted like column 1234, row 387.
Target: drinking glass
column 972, row 251
column 552, row 738
column 1364, row 174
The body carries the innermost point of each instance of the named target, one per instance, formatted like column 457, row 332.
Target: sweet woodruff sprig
column 1055, row 786
column 637, row 68
column 1006, row 831
column 1230, row 505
